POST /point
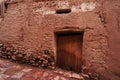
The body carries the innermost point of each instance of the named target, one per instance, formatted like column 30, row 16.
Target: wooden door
column 69, row 51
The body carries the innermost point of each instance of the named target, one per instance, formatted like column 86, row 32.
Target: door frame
column 66, row 31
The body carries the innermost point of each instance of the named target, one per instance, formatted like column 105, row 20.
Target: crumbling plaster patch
column 88, row 6
column 51, row 9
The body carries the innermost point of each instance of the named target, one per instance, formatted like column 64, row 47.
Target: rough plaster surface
column 49, row 7
column 33, row 26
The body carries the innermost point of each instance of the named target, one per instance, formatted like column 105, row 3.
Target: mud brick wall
column 33, row 25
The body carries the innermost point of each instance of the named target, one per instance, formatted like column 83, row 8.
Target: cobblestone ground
column 14, row 71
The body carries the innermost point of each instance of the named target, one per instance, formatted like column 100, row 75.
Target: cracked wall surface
column 33, row 24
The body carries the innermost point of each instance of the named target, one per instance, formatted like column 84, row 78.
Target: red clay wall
column 112, row 19
column 33, row 26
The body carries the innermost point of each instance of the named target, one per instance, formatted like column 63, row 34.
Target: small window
column 63, row 11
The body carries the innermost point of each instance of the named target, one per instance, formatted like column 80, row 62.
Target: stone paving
column 14, row 71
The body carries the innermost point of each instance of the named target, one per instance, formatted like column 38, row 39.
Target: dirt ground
column 15, row 71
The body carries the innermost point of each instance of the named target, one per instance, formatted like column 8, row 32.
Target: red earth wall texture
column 32, row 25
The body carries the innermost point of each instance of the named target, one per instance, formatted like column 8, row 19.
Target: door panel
column 69, row 51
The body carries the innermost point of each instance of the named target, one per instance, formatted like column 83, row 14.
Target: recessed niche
column 63, row 11
column 42, row 0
